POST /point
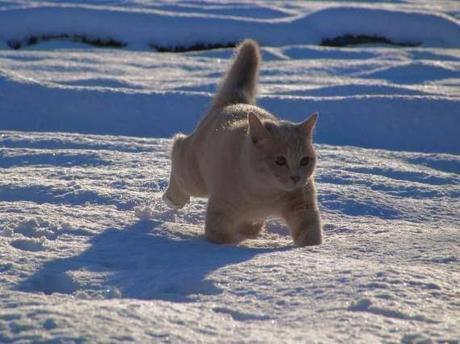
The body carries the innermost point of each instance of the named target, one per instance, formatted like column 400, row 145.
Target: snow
column 89, row 252
column 113, row 250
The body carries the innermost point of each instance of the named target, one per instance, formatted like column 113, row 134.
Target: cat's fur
column 234, row 158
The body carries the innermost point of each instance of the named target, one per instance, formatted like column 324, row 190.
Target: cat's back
column 233, row 119
column 227, row 121
column 239, row 112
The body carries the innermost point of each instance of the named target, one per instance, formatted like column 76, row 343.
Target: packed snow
column 90, row 253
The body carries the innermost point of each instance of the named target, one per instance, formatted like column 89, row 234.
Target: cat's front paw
column 220, row 237
column 250, row 230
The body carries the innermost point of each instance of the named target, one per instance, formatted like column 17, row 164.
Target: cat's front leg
column 306, row 229
column 250, row 229
column 302, row 216
column 220, row 223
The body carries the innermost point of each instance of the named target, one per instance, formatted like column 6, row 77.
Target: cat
column 250, row 164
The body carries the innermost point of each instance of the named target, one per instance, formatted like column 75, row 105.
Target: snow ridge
column 141, row 28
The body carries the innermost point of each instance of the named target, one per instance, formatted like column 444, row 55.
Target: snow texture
column 89, row 252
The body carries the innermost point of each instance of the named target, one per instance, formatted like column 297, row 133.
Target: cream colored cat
column 250, row 164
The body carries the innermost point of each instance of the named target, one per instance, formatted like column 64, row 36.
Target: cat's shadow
column 141, row 261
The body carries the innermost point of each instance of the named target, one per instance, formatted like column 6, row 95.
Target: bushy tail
column 240, row 83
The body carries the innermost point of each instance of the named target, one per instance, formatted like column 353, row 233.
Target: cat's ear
column 309, row 123
column 256, row 129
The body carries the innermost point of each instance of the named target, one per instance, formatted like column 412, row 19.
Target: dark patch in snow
column 33, row 245
column 49, row 324
column 192, row 47
column 445, row 260
column 348, row 39
column 418, row 338
column 6, row 267
column 50, row 282
column 96, row 42
column 360, row 305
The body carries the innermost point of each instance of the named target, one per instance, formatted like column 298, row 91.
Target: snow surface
column 88, row 245
column 90, row 253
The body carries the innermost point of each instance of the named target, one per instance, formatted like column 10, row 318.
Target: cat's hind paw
column 176, row 203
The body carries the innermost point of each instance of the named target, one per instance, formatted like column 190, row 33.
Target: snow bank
column 143, row 28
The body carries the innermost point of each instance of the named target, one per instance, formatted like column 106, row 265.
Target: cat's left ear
column 309, row 124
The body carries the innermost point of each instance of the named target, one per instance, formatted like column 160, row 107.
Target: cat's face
column 283, row 153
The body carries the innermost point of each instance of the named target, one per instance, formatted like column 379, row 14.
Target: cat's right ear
column 257, row 131
column 310, row 123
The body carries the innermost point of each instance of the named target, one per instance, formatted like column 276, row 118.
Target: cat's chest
column 259, row 208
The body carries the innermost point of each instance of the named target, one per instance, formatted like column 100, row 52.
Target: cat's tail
column 239, row 85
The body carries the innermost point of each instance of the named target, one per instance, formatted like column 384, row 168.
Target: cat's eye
column 280, row 160
column 305, row 161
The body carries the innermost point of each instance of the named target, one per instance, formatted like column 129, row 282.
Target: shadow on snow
column 142, row 262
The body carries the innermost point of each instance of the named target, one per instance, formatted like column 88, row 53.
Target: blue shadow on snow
column 140, row 262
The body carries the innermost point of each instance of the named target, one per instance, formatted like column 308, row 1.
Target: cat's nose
column 295, row 179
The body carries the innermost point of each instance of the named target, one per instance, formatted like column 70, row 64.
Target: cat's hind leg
column 175, row 196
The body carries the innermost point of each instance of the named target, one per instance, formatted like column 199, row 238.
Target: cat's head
column 282, row 153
